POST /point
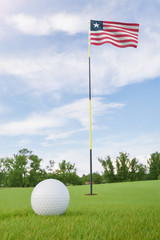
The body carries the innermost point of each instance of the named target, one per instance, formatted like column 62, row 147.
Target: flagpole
column 90, row 126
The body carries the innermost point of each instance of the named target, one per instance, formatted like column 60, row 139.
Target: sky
column 44, row 104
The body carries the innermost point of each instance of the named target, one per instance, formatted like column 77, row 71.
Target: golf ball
column 50, row 197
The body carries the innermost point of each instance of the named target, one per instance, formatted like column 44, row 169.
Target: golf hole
column 88, row 194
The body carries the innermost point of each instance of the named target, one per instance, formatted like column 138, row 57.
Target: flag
column 119, row 34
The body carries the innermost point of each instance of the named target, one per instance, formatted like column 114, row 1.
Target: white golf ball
column 50, row 197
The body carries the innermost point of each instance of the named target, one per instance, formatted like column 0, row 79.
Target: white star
column 96, row 25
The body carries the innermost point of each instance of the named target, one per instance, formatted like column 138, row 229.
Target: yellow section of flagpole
column 90, row 124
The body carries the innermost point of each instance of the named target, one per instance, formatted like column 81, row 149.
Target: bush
column 159, row 177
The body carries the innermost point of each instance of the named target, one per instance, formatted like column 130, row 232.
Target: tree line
column 24, row 170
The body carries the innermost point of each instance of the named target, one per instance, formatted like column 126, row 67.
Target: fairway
column 119, row 211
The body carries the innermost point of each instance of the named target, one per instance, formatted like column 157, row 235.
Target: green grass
column 119, row 211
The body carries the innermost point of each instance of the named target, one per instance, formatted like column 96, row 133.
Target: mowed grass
column 119, row 211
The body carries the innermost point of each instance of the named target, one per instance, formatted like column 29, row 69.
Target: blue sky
column 44, row 81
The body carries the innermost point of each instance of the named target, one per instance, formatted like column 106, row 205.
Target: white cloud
column 111, row 68
column 143, row 158
column 43, row 72
column 48, row 24
column 24, row 142
column 62, row 135
column 41, row 124
column 140, row 146
column 78, row 156
column 29, row 126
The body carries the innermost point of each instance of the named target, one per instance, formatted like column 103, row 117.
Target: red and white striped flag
column 119, row 34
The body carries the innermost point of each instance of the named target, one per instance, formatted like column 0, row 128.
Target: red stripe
column 112, row 35
column 120, row 41
column 120, row 23
column 115, row 30
column 120, row 46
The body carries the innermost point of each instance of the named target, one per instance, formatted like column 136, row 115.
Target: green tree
column 19, row 171
column 22, row 170
column 85, row 178
column 67, row 173
column 133, row 166
column 154, row 165
column 74, row 179
column 6, row 168
column 35, row 170
column 108, row 169
column 96, row 178
column 141, row 172
column 122, row 165
column 50, row 167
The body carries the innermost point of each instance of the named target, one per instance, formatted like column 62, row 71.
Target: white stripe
column 118, row 43
column 117, row 29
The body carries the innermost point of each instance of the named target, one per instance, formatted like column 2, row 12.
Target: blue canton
column 96, row 25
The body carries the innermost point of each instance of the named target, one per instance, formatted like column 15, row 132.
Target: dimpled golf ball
column 50, row 197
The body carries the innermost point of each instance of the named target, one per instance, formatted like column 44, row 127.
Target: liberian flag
column 119, row 34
